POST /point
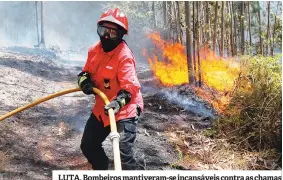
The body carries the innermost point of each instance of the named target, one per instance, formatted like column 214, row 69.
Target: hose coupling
column 114, row 135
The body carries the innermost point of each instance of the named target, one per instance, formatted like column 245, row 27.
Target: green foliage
column 255, row 6
column 278, row 32
column 258, row 98
column 139, row 13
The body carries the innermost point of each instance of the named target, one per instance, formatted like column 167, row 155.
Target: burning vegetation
column 246, row 92
column 168, row 62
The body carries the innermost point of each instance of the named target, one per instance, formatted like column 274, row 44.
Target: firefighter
column 111, row 67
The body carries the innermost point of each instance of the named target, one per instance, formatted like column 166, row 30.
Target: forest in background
column 239, row 40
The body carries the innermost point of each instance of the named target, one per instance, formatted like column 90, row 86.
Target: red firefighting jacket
column 110, row 72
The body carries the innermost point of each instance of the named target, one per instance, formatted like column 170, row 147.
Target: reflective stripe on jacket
column 111, row 72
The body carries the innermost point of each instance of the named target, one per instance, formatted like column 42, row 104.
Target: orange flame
column 168, row 62
column 217, row 72
column 172, row 70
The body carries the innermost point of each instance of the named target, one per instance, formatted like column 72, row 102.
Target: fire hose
column 114, row 136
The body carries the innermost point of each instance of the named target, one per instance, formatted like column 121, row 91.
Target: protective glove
column 123, row 98
column 114, row 105
column 85, row 83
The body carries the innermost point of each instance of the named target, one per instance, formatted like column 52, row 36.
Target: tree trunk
column 198, row 43
column 169, row 10
column 200, row 10
column 42, row 42
column 179, row 23
column 274, row 28
column 164, row 13
column 268, row 28
column 189, row 43
column 153, row 15
column 242, row 27
column 208, row 31
column 259, row 25
column 231, row 29
column 36, row 21
column 227, row 43
column 215, row 27
column 202, row 20
column 235, row 29
column 194, row 37
column 250, row 33
column 176, row 22
column 273, row 34
column 222, row 30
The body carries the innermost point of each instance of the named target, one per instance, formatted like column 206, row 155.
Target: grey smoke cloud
column 68, row 26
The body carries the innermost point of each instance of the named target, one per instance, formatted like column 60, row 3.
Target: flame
column 172, row 69
column 168, row 62
column 217, row 72
column 219, row 100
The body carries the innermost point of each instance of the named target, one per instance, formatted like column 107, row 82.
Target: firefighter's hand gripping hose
column 114, row 136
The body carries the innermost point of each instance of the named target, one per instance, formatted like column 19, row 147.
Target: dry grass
column 199, row 152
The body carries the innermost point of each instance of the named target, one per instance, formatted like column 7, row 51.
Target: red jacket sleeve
column 127, row 76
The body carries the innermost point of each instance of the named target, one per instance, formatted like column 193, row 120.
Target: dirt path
column 47, row 137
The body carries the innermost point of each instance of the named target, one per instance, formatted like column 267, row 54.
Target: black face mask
column 108, row 44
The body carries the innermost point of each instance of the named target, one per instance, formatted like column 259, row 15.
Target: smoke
column 189, row 103
column 67, row 25
column 16, row 24
column 183, row 97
